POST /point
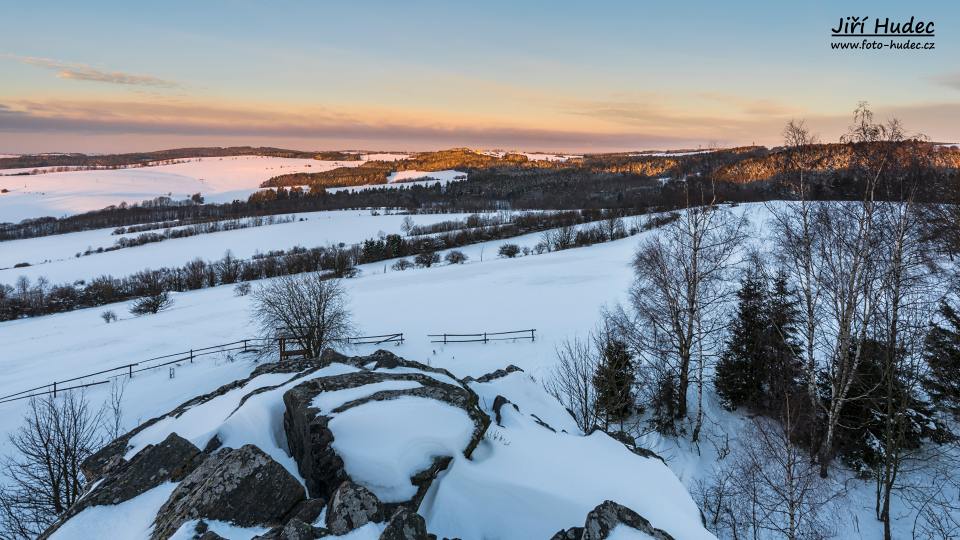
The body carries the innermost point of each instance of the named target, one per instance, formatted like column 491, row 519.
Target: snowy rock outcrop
column 379, row 448
column 230, row 486
column 405, row 525
column 608, row 517
column 418, row 418
column 352, row 507
column 169, row 461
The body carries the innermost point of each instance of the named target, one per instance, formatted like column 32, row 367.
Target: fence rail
column 129, row 370
column 484, row 337
column 377, row 340
column 242, row 345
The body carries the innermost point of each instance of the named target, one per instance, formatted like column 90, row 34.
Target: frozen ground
column 218, row 179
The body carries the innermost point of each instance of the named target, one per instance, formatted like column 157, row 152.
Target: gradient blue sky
column 103, row 76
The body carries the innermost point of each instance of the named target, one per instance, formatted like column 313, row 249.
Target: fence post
column 532, row 336
column 130, row 371
column 444, row 339
column 191, row 356
column 484, row 337
column 54, row 388
column 244, row 345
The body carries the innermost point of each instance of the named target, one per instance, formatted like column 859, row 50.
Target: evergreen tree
column 614, row 381
column 760, row 364
column 784, row 366
column 739, row 375
column 860, row 438
column 942, row 355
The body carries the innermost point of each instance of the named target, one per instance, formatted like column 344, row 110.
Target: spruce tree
column 739, row 375
column 783, row 368
column 760, row 364
column 942, row 354
column 614, row 381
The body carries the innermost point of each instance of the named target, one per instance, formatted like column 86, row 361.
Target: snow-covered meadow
column 54, row 257
column 218, row 179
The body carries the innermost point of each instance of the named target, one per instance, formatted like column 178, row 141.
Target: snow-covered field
column 317, row 229
column 218, row 179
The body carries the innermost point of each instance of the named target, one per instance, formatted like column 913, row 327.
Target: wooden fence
column 241, row 346
column 484, row 337
column 129, row 370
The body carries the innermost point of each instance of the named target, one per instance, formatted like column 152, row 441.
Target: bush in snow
column 456, row 257
column 154, row 303
column 108, row 316
column 241, row 289
column 402, row 264
column 308, row 309
column 427, row 259
column 509, row 250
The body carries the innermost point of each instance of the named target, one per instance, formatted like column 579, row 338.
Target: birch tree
column 678, row 299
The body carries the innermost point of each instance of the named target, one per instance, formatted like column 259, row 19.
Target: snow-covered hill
column 218, row 179
column 311, row 229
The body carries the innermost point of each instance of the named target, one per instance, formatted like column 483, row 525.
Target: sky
column 115, row 76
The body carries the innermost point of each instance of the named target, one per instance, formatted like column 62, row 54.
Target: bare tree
column 831, row 251
column 768, row 487
column 797, row 247
column 43, row 478
column 572, row 381
column 678, row 298
column 909, row 293
column 113, row 408
column 309, row 309
column 407, row 225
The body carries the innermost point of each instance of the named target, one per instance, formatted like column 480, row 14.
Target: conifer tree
column 942, row 354
column 739, row 374
column 760, row 364
column 614, row 381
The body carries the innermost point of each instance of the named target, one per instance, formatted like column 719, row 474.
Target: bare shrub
column 456, row 257
column 42, row 478
column 509, row 250
column 308, row 309
column 242, row 289
column 572, row 381
column 427, row 259
column 108, row 316
column 150, row 304
column 402, row 264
